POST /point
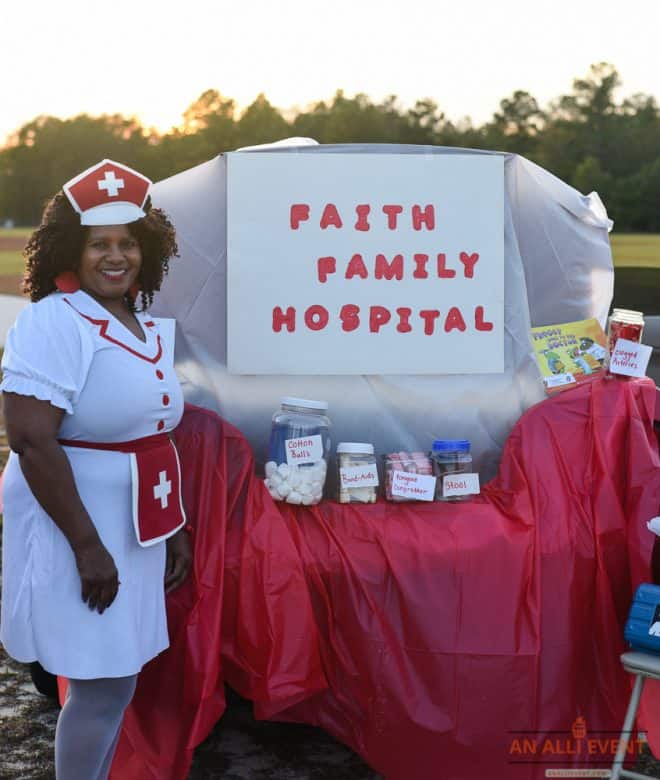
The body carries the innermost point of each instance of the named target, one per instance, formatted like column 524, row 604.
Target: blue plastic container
column 642, row 629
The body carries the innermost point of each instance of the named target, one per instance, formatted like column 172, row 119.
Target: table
column 443, row 642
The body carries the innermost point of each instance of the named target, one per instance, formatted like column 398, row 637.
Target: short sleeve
column 47, row 355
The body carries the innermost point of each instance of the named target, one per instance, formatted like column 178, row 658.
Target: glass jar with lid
column 624, row 324
column 298, row 451
column 398, row 464
column 357, row 473
column 450, row 456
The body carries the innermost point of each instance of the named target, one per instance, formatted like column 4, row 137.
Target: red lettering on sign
column 443, row 271
column 429, row 316
column 316, row 317
column 299, row 212
column 469, row 262
column 404, row 325
column 425, row 217
column 420, row 271
column 281, row 318
column 392, row 212
column 293, row 444
column 454, row 320
column 356, row 267
column 385, row 270
column 325, row 266
column 479, row 321
column 352, row 479
column 378, row 316
column 362, row 212
column 349, row 315
column 330, row 216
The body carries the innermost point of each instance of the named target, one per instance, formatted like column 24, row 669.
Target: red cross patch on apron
column 156, row 485
column 157, row 507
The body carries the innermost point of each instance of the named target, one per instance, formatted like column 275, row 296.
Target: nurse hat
column 108, row 193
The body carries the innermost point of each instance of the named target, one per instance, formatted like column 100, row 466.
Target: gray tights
column 88, row 727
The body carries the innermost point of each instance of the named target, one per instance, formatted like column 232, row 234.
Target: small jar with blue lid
column 450, row 456
column 298, row 451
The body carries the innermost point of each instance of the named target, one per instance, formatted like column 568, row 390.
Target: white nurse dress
column 68, row 350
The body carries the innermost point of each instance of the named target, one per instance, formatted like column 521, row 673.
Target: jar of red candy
column 624, row 324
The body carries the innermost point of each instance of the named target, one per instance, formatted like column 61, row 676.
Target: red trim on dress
column 133, row 445
column 103, row 327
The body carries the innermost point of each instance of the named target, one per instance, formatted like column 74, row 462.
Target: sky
column 153, row 59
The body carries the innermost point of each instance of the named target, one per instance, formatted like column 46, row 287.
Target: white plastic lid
column 628, row 316
column 304, row 403
column 628, row 311
column 355, row 448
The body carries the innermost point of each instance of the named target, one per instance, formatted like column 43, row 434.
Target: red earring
column 134, row 290
column 67, row 282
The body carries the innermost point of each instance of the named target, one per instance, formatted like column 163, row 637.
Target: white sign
column 365, row 264
column 557, row 380
column 358, row 476
column 307, row 449
column 630, row 358
column 416, row 487
column 460, row 485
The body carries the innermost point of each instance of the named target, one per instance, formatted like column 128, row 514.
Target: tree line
column 586, row 137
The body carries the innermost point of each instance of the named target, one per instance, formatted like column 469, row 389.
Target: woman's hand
column 98, row 576
column 179, row 560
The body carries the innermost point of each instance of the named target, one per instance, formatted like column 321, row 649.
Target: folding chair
column 643, row 666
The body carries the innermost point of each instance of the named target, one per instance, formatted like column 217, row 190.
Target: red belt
column 134, row 445
column 156, row 484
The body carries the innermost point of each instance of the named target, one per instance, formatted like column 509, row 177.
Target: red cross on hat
column 108, row 193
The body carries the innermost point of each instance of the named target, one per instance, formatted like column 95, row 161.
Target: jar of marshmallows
column 298, row 451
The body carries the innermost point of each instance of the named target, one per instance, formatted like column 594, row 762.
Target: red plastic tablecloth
column 247, row 594
column 475, row 640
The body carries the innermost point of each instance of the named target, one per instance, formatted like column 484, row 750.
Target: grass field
column 11, row 263
column 636, row 250
column 11, row 243
column 630, row 250
column 15, row 232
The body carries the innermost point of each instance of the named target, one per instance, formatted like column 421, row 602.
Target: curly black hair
column 57, row 245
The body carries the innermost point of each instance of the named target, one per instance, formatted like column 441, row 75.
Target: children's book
column 569, row 353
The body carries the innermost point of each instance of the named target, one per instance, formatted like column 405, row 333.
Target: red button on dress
column 161, row 425
column 166, row 400
column 159, row 373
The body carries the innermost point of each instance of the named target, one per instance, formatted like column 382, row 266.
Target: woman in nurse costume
column 94, row 529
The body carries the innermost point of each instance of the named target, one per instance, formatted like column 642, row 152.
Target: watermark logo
column 586, row 753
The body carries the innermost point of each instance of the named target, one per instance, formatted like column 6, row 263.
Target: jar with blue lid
column 298, row 451
column 450, row 456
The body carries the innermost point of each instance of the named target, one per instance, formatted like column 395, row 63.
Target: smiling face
column 110, row 262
